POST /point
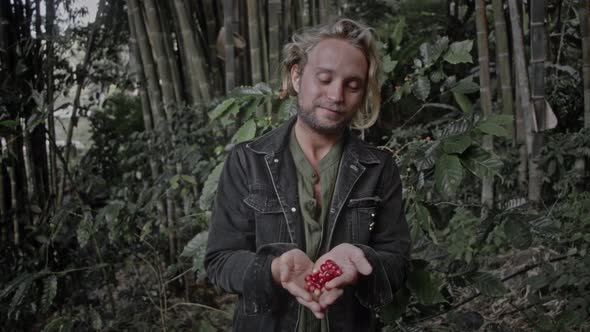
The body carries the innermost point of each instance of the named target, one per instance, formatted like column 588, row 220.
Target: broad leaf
column 496, row 125
column 421, row 88
column 388, row 64
column 488, row 284
column 210, row 187
column 463, row 102
column 288, row 108
column 398, row 31
column 465, row 86
column 448, row 174
column 492, row 128
column 222, row 108
column 456, row 144
column 459, row 52
column 425, row 286
column 431, row 52
column 480, row 162
column 246, row 132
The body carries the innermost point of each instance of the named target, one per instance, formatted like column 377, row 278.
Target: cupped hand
column 289, row 270
column 352, row 262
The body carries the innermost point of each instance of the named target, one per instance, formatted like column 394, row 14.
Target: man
column 310, row 191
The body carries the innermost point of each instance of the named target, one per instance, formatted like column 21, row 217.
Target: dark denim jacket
column 256, row 218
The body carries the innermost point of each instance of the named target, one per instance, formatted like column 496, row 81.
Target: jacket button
column 276, row 160
column 293, row 209
column 373, row 215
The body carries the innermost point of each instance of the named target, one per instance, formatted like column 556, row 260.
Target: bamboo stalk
column 487, row 191
column 538, row 44
column 585, row 33
column 193, row 54
column 146, row 111
column 254, row 41
column 230, row 67
column 274, row 12
column 158, row 45
column 3, row 196
column 324, row 10
column 503, row 57
column 171, row 56
column 50, row 32
column 525, row 99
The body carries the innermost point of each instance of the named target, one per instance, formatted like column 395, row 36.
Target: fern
column 49, row 292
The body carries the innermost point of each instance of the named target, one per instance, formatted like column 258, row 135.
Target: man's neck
column 314, row 145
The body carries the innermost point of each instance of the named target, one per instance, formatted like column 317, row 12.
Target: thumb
column 362, row 264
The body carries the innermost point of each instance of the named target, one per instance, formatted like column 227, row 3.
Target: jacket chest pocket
column 269, row 219
column 362, row 214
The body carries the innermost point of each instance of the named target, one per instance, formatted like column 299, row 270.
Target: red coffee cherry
column 316, row 281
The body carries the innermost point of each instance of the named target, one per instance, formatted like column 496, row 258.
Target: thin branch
column 201, row 306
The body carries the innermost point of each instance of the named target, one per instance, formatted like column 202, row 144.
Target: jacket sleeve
column 389, row 249
column 232, row 261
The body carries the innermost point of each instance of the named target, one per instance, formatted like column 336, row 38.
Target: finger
column 297, row 291
column 315, row 308
column 329, row 297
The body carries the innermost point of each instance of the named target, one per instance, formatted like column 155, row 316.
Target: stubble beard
column 308, row 116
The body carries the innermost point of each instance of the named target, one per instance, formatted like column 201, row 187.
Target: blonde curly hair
column 359, row 36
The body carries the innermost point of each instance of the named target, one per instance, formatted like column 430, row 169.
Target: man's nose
column 336, row 93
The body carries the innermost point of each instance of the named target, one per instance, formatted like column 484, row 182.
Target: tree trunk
column 487, row 191
column 503, row 59
column 324, row 9
column 81, row 77
column 525, row 97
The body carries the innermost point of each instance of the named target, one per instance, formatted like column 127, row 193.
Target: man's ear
column 295, row 77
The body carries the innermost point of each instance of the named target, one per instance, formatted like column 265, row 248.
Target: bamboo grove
column 193, row 55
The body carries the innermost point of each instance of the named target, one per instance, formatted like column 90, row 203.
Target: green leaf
column 49, row 292
column 456, row 144
column 518, row 232
column 431, row 52
column 398, row 31
column 463, row 102
column 174, row 181
column 210, row 187
column 459, row 52
column 195, row 249
column 189, row 178
column 20, row 294
column 288, row 107
column 448, row 174
column 222, row 108
column 388, row 64
column 12, row 124
column 465, row 86
column 480, row 162
column 421, row 88
column 488, row 284
column 394, row 310
column 425, row 286
column 491, row 128
column 246, row 132
column 84, row 230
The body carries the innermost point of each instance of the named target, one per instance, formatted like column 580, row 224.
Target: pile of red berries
column 318, row 279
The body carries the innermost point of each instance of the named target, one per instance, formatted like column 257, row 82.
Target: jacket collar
column 277, row 140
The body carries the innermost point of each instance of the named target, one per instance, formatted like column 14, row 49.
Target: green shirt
column 314, row 215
